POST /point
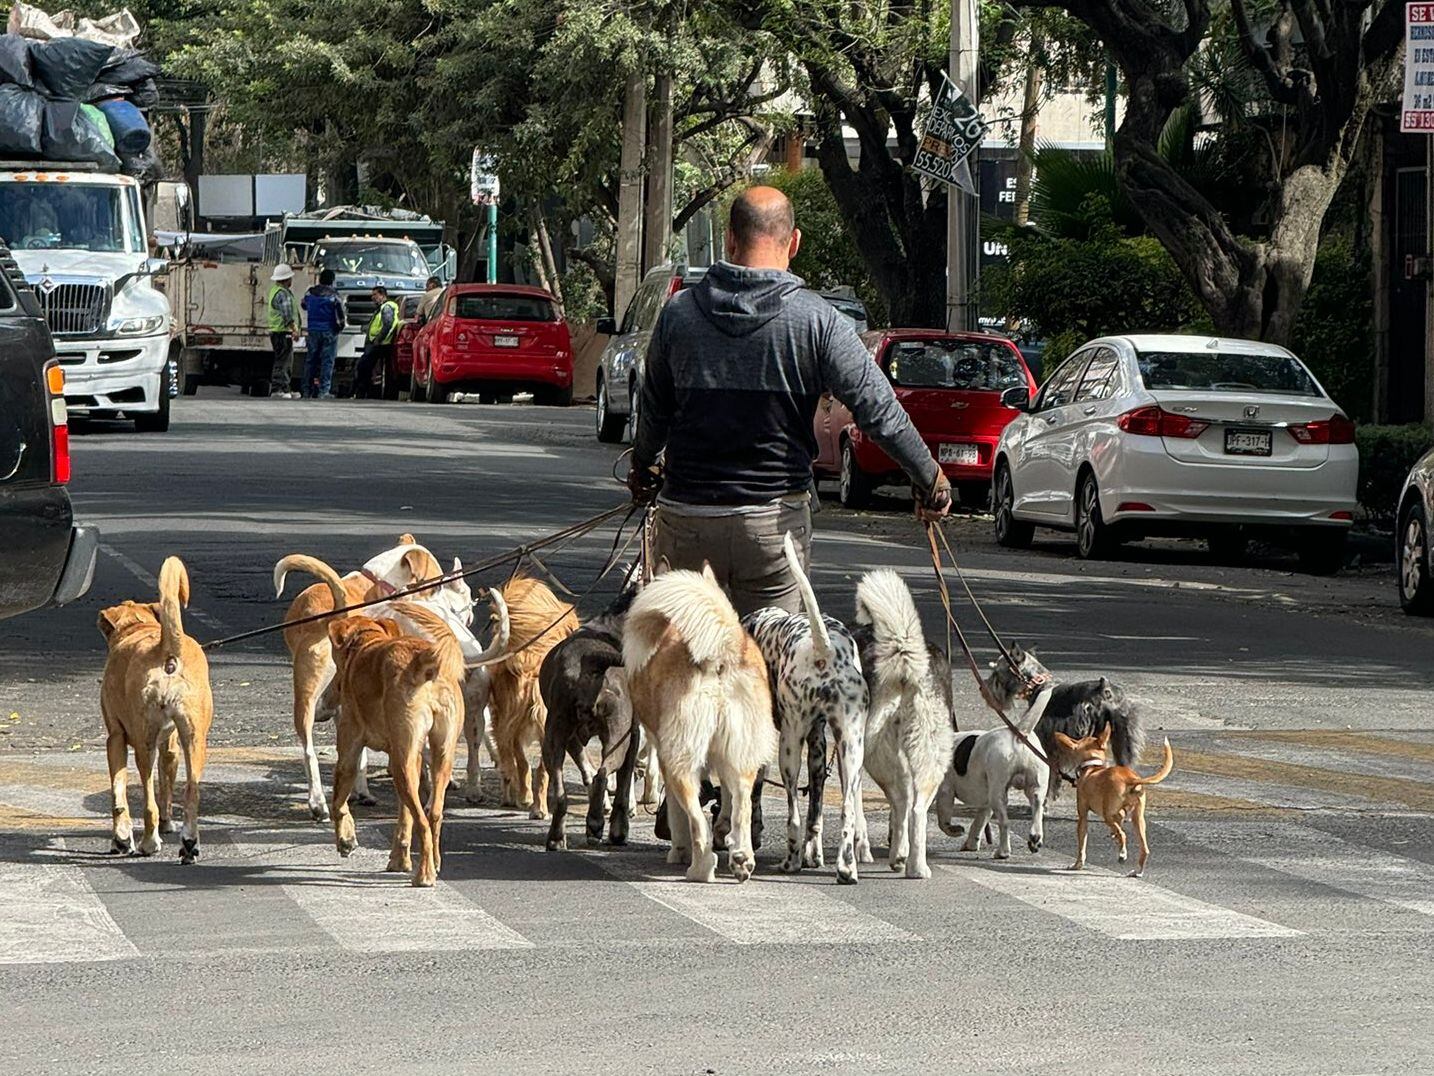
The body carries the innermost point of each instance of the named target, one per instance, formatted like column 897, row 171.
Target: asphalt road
column 1284, row 926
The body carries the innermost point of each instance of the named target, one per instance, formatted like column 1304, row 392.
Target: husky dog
column 1075, row 710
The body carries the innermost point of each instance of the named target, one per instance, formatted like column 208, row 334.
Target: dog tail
column 502, row 630
column 436, row 630
column 821, row 640
column 1127, row 736
column 884, row 601
column 1166, row 766
column 315, row 567
column 173, row 594
column 692, row 605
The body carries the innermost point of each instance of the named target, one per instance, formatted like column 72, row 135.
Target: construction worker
column 283, row 315
column 378, row 346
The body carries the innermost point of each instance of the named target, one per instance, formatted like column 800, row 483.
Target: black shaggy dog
column 584, row 702
column 1078, row 710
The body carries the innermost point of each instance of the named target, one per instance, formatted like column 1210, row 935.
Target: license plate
column 505, row 341
column 961, row 455
column 1247, row 442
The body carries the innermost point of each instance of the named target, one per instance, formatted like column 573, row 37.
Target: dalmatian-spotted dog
column 816, row 681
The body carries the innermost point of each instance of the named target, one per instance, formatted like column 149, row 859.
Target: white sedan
column 1136, row 436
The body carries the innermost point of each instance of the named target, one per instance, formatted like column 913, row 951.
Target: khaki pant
column 744, row 550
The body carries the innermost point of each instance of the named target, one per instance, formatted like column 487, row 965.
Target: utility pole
column 963, row 211
column 657, row 226
column 628, row 255
column 493, row 242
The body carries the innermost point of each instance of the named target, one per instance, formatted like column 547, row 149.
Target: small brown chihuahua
column 1110, row 791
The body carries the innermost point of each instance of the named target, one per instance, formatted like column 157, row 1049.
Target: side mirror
column 1017, row 398
column 607, row 326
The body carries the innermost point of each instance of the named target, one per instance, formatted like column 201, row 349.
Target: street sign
column 953, row 131
column 1416, row 112
column 483, row 178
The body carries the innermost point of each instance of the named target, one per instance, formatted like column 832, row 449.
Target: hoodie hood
column 739, row 301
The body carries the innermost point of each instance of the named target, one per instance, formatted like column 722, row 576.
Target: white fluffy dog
column 698, row 685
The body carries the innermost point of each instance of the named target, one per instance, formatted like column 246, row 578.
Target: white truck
column 79, row 237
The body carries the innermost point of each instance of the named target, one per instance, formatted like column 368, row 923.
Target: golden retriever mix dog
column 395, row 569
column 155, row 698
column 699, row 686
column 514, row 700
column 398, row 694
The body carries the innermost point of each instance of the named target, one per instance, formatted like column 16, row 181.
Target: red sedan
column 950, row 385
column 495, row 340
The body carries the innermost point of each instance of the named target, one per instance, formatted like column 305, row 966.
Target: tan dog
column 309, row 650
column 519, row 716
column 398, row 693
column 1113, row 792
column 155, row 698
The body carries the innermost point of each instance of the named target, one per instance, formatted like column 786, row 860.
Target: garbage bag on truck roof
column 68, row 135
column 15, row 61
column 145, row 167
column 119, row 29
column 125, row 67
column 68, row 66
column 100, row 124
column 143, row 94
column 131, row 133
column 21, row 115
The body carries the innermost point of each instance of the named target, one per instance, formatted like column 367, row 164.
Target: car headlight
column 137, row 326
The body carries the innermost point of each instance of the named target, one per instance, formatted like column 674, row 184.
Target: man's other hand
column 643, row 483
column 935, row 503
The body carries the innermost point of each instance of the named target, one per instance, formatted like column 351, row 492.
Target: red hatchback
column 950, row 385
column 495, row 340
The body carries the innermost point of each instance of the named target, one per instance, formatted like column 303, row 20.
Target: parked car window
column 1101, row 376
column 953, row 364
column 1214, row 371
column 1059, row 390
column 504, row 308
column 652, row 304
column 633, row 320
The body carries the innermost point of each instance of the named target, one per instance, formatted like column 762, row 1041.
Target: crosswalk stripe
column 1129, row 909
column 1268, row 794
column 51, row 915
column 1337, row 743
column 1316, row 856
column 1416, row 794
column 761, row 911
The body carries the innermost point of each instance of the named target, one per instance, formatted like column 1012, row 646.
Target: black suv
column 46, row 558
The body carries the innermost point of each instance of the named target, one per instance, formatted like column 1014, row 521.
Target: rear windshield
column 504, row 308
column 1215, row 371
column 954, row 364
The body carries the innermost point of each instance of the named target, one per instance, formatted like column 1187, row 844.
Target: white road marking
column 51, row 916
column 1320, row 857
column 762, row 911
column 1130, row 909
column 151, row 582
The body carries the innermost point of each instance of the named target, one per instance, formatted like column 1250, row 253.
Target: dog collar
column 1090, row 764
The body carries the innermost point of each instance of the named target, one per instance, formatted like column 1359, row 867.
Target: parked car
column 1414, row 552
column 402, row 377
column 47, row 558
column 951, row 386
column 495, row 340
column 1136, row 436
column 619, row 373
column 849, row 305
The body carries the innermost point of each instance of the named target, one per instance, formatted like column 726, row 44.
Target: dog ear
column 407, row 539
column 662, row 567
column 417, row 562
column 707, row 572
column 109, row 620
column 1105, row 735
column 1065, row 741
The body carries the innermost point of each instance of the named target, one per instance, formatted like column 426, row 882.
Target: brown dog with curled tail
column 1113, row 792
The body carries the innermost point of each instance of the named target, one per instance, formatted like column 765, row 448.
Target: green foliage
column 1332, row 335
column 828, row 257
column 1386, row 453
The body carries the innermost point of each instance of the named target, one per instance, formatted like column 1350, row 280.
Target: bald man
column 735, row 369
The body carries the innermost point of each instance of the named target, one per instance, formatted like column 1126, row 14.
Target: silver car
column 1413, row 547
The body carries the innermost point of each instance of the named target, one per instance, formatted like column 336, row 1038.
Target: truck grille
column 360, row 309
column 75, row 309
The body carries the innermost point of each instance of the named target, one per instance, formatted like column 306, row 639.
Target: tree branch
column 1277, row 82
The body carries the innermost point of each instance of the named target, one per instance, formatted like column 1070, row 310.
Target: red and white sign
column 1417, row 110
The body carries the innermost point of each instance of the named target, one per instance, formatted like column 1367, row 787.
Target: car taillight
column 1153, row 421
column 1335, row 430
column 59, row 425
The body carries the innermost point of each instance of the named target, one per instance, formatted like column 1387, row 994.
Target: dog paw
column 122, row 846
column 1034, row 844
column 791, row 862
column 676, row 856
column 319, row 810
column 362, row 799
column 346, row 846
column 1001, row 853
column 741, row 864
column 917, row 870
column 425, row 880
column 812, row 855
column 167, row 826
column 150, row 845
column 897, row 863
column 189, row 850
column 617, row 831
column 703, row 869
column 1077, row 866
column 1136, row 874
column 1121, row 857
column 397, row 864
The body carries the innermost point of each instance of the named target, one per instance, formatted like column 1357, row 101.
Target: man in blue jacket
column 734, row 372
column 324, row 308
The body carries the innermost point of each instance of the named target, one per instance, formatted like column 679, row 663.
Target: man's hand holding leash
column 935, row 503
column 644, row 483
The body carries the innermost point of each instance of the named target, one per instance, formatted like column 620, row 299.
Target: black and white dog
column 584, row 702
column 1078, row 710
column 816, row 683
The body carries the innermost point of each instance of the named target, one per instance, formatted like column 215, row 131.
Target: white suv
column 1137, row 436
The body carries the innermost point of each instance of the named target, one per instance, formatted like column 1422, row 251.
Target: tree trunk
column 1030, row 109
column 549, row 263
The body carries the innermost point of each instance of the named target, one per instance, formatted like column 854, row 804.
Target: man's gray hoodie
column 735, row 369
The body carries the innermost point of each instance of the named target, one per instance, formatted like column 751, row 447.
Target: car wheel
column 1093, row 538
column 437, row 393
column 190, row 385
column 487, row 397
column 419, row 392
column 155, row 421
column 1322, row 552
column 1010, row 531
column 1416, row 588
column 1228, row 547
column 609, row 426
column 856, row 486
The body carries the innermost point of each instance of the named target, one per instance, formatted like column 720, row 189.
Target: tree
column 1319, row 67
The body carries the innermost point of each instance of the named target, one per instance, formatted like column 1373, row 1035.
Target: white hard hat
column 281, row 273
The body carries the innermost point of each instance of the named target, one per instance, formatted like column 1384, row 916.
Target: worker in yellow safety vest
column 378, row 350
column 283, row 319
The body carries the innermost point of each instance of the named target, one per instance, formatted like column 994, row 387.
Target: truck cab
column 79, row 238
column 362, row 263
